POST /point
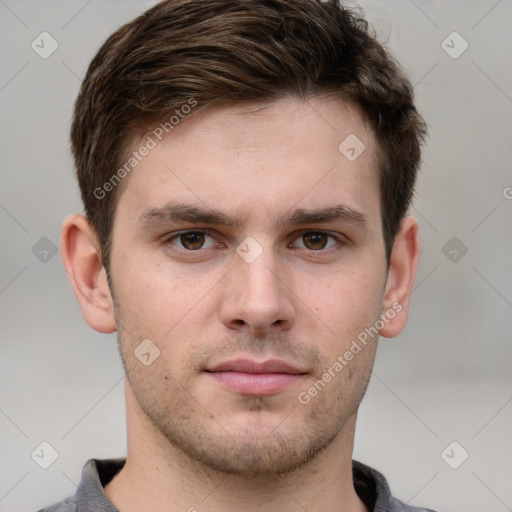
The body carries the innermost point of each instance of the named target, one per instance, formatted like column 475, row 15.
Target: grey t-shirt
column 370, row 486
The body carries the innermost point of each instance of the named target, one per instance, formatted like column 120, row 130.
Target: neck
column 158, row 476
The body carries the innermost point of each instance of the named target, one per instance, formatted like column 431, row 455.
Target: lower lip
column 256, row 384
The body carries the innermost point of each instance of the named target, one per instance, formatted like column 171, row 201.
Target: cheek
column 345, row 303
column 159, row 386
column 158, row 298
column 172, row 309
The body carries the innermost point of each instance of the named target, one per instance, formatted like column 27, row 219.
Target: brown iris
column 193, row 240
column 315, row 241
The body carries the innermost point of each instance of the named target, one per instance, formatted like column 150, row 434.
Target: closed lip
column 251, row 366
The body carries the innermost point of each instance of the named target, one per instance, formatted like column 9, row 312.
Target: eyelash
column 340, row 241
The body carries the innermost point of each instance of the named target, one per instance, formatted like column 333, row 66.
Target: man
column 246, row 169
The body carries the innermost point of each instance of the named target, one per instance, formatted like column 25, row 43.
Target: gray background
column 446, row 378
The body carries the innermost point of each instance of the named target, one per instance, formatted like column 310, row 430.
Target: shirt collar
column 370, row 485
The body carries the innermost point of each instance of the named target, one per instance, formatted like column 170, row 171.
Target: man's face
column 227, row 311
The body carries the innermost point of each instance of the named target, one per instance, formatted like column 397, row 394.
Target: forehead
column 260, row 159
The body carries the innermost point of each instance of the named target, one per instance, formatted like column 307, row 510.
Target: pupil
column 192, row 240
column 315, row 240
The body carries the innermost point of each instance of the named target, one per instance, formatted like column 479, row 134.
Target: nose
column 256, row 297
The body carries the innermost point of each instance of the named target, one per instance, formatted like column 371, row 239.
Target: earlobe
column 402, row 273
column 82, row 261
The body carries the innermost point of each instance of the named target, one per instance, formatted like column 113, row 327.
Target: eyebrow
column 340, row 212
column 179, row 212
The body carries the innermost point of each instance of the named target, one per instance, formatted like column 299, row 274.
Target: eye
column 315, row 241
column 192, row 240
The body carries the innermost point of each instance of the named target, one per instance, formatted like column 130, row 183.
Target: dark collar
column 370, row 485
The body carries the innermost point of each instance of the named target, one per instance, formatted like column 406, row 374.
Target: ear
column 402, row 272
column 82, row 261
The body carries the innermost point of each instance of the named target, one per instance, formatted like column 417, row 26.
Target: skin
column 194, row 444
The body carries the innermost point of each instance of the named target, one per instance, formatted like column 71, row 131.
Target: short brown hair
column 200, row 51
